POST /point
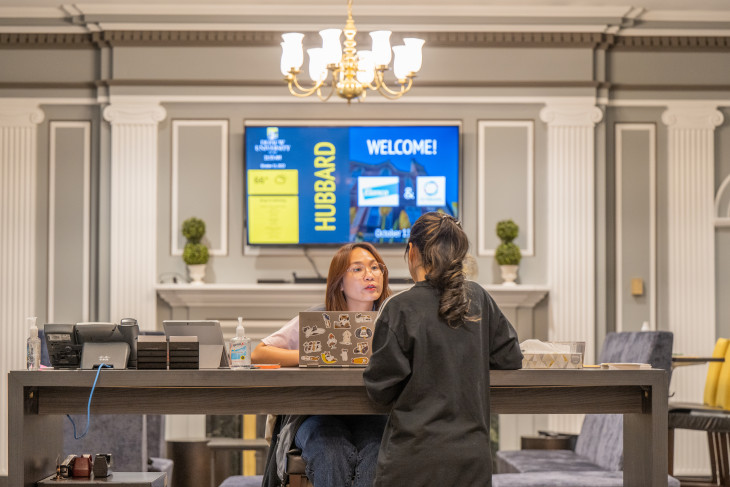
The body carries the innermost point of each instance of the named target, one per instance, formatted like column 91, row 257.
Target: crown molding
column 433, row 39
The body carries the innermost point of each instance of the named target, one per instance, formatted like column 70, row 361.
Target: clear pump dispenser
column 33, row 348
column 240, row 348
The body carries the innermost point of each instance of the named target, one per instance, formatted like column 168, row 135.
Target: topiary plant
column 508, row 253
column 195, row 253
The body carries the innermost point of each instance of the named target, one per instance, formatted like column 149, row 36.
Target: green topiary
column 193, row 229
column 508, row 253
column 195, row 253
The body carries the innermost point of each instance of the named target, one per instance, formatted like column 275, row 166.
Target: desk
column 38, row 400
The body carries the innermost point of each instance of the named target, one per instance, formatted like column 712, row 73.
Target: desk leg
column 645, row 442
column 34, row 441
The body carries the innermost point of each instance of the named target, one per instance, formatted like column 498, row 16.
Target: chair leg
column 724, row 446
column 715, row 463
column 670, row 451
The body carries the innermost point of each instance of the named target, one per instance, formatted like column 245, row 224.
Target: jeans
column 340, row 451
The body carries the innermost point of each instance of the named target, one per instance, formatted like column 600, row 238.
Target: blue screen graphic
column 338, row 184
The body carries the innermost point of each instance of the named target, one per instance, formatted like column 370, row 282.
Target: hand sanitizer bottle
column 240, row 348
column 33, row 349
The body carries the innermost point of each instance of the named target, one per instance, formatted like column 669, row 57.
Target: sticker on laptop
column 363, row 332
column 361, row 348
column 343, row 355
column 326, row 319
column 331, row 341
column 360, row 360
column 346, row 338
column 314, row 346
column 309, row 358
column 328, row 358
column 312, row 330
column 361, row 318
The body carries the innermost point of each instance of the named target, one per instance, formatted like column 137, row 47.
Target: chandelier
column 352, row 72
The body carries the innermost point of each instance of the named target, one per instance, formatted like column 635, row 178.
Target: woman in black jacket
column 433, row 347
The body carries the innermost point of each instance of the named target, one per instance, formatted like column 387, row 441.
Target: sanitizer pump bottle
column 33, row 349
column 240, row 348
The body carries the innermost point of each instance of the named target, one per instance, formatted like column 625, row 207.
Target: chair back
column 601, row 437
column 712, row 395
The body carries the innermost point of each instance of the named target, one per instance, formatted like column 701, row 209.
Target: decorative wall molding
column 133, row 221
column 650, row 128
column 571, row 230
column 134, row 113
column 571, row 115
column 691, row 253
column 18, row 200
column 263, row 38
column 86, row 237
column 528, row 227
column 175, row 223
column 692, row 116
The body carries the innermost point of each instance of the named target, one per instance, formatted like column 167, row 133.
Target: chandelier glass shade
column 347, row 71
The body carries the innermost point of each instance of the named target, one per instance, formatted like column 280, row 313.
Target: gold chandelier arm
column 382, row 88
column 298, row 90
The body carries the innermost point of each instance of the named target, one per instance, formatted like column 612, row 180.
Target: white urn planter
column 509, row 274
column 196, row 273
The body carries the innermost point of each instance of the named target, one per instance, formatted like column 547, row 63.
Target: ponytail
column 443, row 246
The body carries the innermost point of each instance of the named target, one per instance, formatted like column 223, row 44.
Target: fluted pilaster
column 133, row 218
column 691, row 255
column 571, row 229
column 18, row 214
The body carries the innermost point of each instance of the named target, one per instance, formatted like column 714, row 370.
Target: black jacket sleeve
column 389, row 367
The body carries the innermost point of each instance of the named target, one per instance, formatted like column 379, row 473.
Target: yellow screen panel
column 273, row 219
column 273, row 181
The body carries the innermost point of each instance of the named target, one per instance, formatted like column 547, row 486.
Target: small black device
column 102, row 465
column 63, row 350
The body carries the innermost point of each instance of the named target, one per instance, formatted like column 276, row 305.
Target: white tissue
column 537, row 346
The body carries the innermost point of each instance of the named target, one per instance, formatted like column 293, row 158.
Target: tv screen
column 319, row 185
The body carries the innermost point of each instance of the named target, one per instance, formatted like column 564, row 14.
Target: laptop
column 212, row 350
column 336, row 338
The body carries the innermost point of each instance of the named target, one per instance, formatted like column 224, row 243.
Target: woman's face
column 361, row 285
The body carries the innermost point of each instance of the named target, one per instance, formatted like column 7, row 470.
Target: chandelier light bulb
column 317, row 64
column 292, row 56
column 414, row 54
column 331, row 46
column 381, row 47
column 401, row 66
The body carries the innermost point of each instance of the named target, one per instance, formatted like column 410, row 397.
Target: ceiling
column 649, row 17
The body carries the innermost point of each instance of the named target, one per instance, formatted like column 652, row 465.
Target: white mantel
column 306, row 295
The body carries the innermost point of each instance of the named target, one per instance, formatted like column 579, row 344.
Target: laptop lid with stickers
column 336, row 338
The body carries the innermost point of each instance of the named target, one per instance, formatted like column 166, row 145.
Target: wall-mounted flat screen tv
column 335, row 183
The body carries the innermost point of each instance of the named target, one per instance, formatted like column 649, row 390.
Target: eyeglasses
column 359, row 270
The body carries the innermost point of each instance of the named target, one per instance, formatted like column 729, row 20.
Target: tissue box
column 552, row 361
column 571, row 358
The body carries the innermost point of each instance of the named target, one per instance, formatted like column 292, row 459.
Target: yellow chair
column 712, row 416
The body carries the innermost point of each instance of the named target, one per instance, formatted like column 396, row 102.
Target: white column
column 691, row 258
column 18, row 168
column 133, row 211
column 571, row 230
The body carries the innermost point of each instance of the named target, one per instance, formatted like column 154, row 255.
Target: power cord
column 88, row 406
column 311, row 261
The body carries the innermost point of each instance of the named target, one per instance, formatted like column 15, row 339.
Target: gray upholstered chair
column 598, row 455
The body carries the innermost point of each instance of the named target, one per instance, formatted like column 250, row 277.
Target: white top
column 287, row 336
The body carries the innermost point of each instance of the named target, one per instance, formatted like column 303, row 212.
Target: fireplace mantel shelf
column 256, row 295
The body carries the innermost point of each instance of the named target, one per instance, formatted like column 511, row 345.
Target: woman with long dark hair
column 433, row 347
column 340, row 451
